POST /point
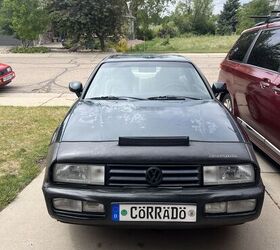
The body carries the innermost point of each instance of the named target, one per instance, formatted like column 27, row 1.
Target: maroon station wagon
column 252, row 84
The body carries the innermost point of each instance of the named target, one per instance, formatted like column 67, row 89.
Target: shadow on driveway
column 215, row 238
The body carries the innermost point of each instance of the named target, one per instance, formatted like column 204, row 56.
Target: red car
column 251, row 89
column 6, row 74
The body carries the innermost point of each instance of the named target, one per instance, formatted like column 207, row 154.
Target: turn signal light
column 78, row 206
column 230, row 207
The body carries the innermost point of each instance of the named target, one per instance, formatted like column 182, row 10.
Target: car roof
column 3, row 66
column 145, row 57
column 264, row 26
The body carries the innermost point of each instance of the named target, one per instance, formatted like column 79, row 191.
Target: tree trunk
column 26, row 43
column 102, row 43
column 75, row 46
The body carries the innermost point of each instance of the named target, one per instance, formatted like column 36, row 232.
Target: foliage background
column 95, row 24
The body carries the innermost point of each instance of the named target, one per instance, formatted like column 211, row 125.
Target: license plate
column 9, row 77
column 153, row 213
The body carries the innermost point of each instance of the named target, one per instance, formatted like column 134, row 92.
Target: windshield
column 162, row 80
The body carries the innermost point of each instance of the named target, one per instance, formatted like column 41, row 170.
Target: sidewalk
column 36, row 99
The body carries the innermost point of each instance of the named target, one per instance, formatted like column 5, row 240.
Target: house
column 6, row 40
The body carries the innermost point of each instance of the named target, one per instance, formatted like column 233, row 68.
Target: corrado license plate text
column 153, row 213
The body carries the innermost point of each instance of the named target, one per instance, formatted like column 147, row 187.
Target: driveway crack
column 275, row 202
column 44, row 103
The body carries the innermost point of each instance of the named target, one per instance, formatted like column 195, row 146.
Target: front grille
column 135, row 175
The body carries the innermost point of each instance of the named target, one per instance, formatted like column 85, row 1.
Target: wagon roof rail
column 273, row 17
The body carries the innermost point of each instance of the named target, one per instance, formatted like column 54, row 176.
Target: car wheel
column 227, row 102
column 254, row 110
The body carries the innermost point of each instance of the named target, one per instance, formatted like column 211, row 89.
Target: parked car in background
column 252, row 84
column 148, row 144
column 6, row 74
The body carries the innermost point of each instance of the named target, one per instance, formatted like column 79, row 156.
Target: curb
column 37, row 100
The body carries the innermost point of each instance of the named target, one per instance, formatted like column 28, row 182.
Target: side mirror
column 219, row 88
column 76, row 87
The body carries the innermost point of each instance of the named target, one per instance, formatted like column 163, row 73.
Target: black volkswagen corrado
column 148, row 144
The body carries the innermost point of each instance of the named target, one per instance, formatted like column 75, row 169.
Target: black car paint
column 200, row 120
column 76, row 141
column 198, row 196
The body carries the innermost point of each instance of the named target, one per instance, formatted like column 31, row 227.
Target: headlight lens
column 9, row 69
column 79, row 174
column 230, row 174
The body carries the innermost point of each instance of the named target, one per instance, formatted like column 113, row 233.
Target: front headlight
column 230, row 174
column 9, row 69
column 79, row 174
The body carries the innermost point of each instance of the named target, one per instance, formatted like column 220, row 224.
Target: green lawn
column 192, row 44
column 25, row 134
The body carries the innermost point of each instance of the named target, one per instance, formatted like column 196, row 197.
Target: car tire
column 254, row 110
column 227, row 102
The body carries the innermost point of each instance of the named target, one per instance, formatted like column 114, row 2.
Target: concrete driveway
column 25, row 224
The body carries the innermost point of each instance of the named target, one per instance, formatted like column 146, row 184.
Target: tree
column 194, row 16
column 182, row 16
column 253, row 8
column 202, row 17
column 88, row 18
column 26, row 18
column 148, row 12
column 227, row 21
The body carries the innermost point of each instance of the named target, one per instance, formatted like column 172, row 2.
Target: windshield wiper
column 115, row 98
column 172, row 97
column 165, row 97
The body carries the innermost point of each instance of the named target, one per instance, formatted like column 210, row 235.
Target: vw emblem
column 154, row 176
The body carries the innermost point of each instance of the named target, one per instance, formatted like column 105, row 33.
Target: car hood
column 108, row 120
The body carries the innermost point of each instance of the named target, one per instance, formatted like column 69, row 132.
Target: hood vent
column 154, row 141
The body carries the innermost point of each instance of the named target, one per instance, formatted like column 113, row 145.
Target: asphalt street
column 51, row 73
column 25, row 224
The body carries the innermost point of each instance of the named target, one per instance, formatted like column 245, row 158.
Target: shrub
column 156, row 28
column 168, row 30
column 165, row 42
column 67, row 44
column 146, row 34
column 84, row 43
column 30, row 50
column 122, row 45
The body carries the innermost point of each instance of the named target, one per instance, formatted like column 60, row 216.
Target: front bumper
column 6, row 79
column 199, row 196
